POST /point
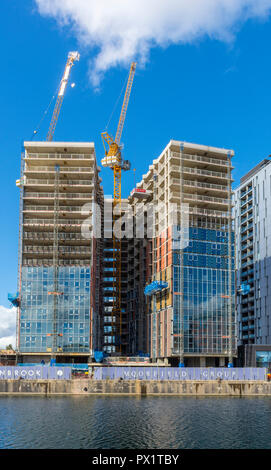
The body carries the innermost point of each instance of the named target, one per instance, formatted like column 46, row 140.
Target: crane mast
column 114, row 161
column 72, row 57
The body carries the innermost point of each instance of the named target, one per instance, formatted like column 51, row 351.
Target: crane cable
column 117, row 101
column 45, row 112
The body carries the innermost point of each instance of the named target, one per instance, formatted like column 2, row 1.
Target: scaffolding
column 55, row 251
column 55, row 334
column 198, row 309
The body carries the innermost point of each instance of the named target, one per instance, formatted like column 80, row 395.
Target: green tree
column 9, row 347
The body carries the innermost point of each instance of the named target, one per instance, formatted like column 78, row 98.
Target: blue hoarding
column 177, row 373
column 35, row 373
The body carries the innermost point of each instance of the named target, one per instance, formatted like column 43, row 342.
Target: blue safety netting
column 245, row 289
column 14, row 299
column 98, row 356
column 155, row 286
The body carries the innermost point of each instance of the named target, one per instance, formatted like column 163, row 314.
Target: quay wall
column 135, row 387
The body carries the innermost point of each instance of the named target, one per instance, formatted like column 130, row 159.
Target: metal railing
column 48, row 262
column 63, row 169
column 49, row 250
column 60, row 156
column 61, row 183
column 197, row 171
column 47, row 236
column 198, row 184
column 51, row 208
column 65, row 195
column 243, row 203
column 199, row 158
column 247, row 192
column 198, row 197
column 45, row 222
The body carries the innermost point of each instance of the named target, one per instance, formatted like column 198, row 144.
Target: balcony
column 246, row 201
column 85, row 157
column 46, row 238
column 206, row 199
column 69, row 185
column 47, row 224
column 247, row 192
column 247, row 227
column 38, row 171
column 48, row 211
column 249, row 244
column 199, row 172
column 63, row 252
column 46, row 197
column 247, row 236
column 201, row 159
column 197, row 185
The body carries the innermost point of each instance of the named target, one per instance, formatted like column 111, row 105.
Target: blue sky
column 208, row 91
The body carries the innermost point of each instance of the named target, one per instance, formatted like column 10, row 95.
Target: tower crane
column 113, row 160
column 72, row 57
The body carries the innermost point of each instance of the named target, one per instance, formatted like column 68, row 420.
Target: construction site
column 153, row 281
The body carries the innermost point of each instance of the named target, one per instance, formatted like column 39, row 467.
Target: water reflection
column 121, row 422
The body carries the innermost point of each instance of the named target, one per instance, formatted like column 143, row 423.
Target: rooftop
column 255, row 170
column 59, row 146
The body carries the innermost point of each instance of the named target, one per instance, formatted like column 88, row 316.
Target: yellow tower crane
column 113, row 160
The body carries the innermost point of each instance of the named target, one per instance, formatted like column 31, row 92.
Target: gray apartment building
column 190, row 303
column 59, row 280
column 252, row 209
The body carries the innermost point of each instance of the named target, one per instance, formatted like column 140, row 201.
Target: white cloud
column 7, row 326
column 118, row 31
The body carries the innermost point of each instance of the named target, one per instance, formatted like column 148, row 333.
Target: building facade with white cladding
column 252, row 209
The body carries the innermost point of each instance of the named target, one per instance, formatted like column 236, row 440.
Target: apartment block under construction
column 188, row 316
column 115, row 328
column 165, row 288
column 177, row 258
column 59, row 281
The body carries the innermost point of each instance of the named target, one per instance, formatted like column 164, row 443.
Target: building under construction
column 161, row 284
column 177, row 258
column 188, row 260
column 115, row 328
column 60, row 298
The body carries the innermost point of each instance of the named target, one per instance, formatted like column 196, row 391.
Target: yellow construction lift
column 113, row 160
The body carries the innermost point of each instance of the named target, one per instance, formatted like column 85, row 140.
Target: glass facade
column 263, row 359
column 73, row 309
column 205, row 296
